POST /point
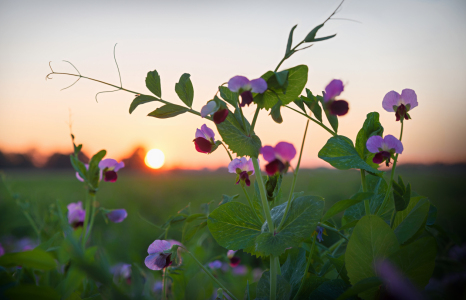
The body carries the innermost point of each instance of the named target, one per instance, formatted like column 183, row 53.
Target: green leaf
column 324, row 38
column 272, row 186
column 36, row 259
column 413, row 222
column 293, row 268
column 345, row 204
column 402, row 215
column 93, row 173
column 312, row 34
column 168, row 111
column 275, row 112
column 195, row 217
column 341, row 154
column 297, row 79
column 250, row 290
column 349, row 225
column 362, row 286
column 432, row 217
column 339, row 264
column 300, row 103
column 329, row 290
column 300, row 223
column 141, row 99
column 417, row 260
column 25, row 291
column 313, row 104
column 372, row 239
column 263, row 287
column 191, row 231
column 153, row 83
column 48, row 244
column 226, row 199
column 290, row 43
column 311, row 283
column 79, row 167
column 184, row 89
column 228, row 95
column 370, row 128
column 234, row 226
column 401, row 194
column 332, row 119
column 282, row 79
column 234, row 136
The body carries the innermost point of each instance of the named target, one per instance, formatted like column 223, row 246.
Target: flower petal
column 119, row 166
column 374, row 143
column 209, row 108
column 333, row 89
column 220, row 115
column 199, row 134
column 234, row 164
column 339, row 107
column 268, row 153
column 246, row 98
column 285, row 150
column 409, row 97
column 391, row 99
column 110, row 176
column 202, row 145
column 117, row 215
column 158, row 246
column 237, row 82
column 393, row 143
column 258, row 85
column 209, row 133
column 79, row 177
column 107, row 163
column 216, row 264
column 231, row 253
column 157, row 261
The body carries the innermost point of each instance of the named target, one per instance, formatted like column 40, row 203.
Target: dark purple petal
column 374, row 143
column 2, row 251
column 117, row 215
column 285, row 151
column 258, row 85
column 237, row 82
column 158, row 261
column 110, row 176
column 244, row 176
column 339, row 107
column 246, row 98
column 381, row 157
column 203, row 145
column 274, row 167
column 393, row 143
column 401, row 112
column 389, row 100
column 333, row 89
column 409, row 97
column 234, row 261
column 220, row 115
column 268, row 153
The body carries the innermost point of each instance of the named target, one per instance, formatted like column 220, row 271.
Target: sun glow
column 154, row 158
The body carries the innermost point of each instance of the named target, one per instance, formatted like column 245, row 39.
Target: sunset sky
column 417, row 44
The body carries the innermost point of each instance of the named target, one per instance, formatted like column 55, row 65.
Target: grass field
column 157, row 196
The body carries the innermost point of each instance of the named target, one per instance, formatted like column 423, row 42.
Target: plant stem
column 364, row 189
column 86, row 220
column 254, row 120
column 164, row 284
column 244, row 120
column 285, row 58
column 313, row 120
column 93, row 204
column 273, row 278
column 393, row 218
column 308, row 264
column 231, row 158
column 33, row 224
column 334, row 230
column 295, row 176
column 210, row 275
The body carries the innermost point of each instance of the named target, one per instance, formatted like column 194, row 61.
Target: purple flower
column 240, row 270
column 216, row 264
column 400, row 104
column 218, row 113
column 159, row 256
column 279, row 157
column 396, row 285
column 234, row 260
column 245, row 87
column 205, row 139
column 319, row 231
column 384, row 148
column 243, row 167
column 76, row 214
column 2, row 251
column 117, row 215
column 122, row 271
column 158, row 286
column 336, row 107
column 109, row 167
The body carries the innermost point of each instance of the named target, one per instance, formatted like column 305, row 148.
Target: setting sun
column 154, row 158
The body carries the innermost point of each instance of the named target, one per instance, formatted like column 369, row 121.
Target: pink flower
column 204, row 141
column 218, row 113
column 245, row 87
column 332, row 90
column 384, row 148
column 400, row 104
column 243, row 167
column 109, row 167
column 2, row 251
column 76, row 214
column 234, row 260
column 279, row 157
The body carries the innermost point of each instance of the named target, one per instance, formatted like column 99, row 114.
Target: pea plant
column 385, row 246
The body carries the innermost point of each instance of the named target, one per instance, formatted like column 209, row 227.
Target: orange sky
column 401, row 44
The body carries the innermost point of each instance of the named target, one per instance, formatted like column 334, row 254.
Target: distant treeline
column 59, row 161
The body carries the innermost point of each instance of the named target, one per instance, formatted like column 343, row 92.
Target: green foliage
column 341, row 154
column 236, row 138
column 226, row 198
column 401, row 194
column 263, row 287
column 293, row 269
column 32, row 292
column 184, row 89
column 141, row 99
column 370, row 128
column 288, row 51
column 272, row 186
column 361, row 287
column 300, row 223
column 413, row 222
column 275, row 112
column 339, row 264
column 153, row 83
column 168, row 111
column 228, row 96
column 329, row 290
column 345, row 204
column 372, row 239
column 297, row 79
column 313, row 104
column 37, row 259
column 332, row 119
column 93, row 173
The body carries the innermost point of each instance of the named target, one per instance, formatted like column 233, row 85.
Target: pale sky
column 396, row 44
